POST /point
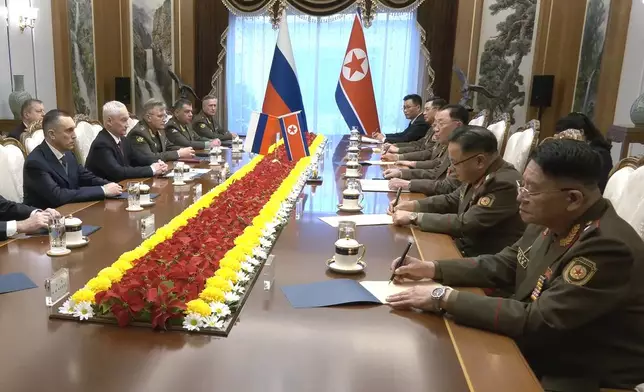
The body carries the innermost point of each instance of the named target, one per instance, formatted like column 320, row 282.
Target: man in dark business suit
column 53, row 177
column 16, row 218
column 32, row 110
column 111, row 156
column 417, row 128
column 179, row 130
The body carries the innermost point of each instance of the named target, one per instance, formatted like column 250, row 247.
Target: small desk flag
column 294, row 136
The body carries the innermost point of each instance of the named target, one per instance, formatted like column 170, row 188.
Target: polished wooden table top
column 273, row 347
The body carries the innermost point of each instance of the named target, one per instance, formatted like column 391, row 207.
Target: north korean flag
column 354, row 94
column 294, row 139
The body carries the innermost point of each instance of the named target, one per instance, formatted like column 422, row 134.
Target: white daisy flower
column 193, row 321
column 239, row 289
column 248, row 267
column 83, row 310
column 253, row 261
column 231, row 297
column 213, row 322
column 259, row 253
column 265, row 243
column 68, row 307
column 242, row 277
column 220, row 310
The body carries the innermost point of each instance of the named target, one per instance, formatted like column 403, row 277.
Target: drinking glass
column 133, row 195
column 178, row 172
column 347, row 229
column 57, row 243
column 299, row 207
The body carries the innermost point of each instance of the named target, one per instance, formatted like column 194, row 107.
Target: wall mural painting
column 505, row 63
column 152, row 51
column 590, row 57
column 81, row 35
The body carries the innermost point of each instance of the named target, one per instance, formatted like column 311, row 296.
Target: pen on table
column 397, row 197
column 399, row 263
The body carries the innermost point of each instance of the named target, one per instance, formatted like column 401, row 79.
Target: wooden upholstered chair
column 86, row 132
column 12, row 157
column 624, row 189
column 521, row 144
column 501, row 128
column 33, row 137
column 480, row 119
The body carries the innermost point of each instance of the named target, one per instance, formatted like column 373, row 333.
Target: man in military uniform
column 179, row 128
column 577, row 276
column 148, row 138
column 205, row 124
column 432, row 107
column 483, row 213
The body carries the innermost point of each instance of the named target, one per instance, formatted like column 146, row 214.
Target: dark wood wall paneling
column 62, row 57
column 439, row 19
column 211, row 20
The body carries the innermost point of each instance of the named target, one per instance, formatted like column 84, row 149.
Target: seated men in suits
column 16, row 218
column 52, row 176
column 111, row 156
column 205, row 124
column 576, row 273
column 417, row 128
column 432, row 107
column 179, row 128
column 148, row 137
column 32, row 110
column 483, row 213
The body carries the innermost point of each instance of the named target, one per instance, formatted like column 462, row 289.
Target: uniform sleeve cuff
column 12, row 228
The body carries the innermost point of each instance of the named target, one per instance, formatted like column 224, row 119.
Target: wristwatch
column 413, row 218
column 437, row 296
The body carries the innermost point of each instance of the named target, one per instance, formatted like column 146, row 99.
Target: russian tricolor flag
column 257, row 140
column 283, row 95
column 354, row 94
column 292, row 127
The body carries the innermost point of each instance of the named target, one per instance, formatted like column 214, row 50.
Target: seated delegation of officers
column 567, row 287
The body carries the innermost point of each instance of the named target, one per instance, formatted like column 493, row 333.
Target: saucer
column 133, row 209
column 178, row 183
column 84, row 242
column 356, row 269
column 65, row 252
column 150, row 203
column 352, row 175
column 349, row 209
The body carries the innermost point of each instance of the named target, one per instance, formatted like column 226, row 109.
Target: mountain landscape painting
column 81, row 36
column 152, row 54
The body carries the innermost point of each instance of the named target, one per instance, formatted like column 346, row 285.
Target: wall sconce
column 27, row 17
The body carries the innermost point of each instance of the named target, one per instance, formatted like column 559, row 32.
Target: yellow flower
column 235, row 254
column 227, row 274
column 254, row 231
column 198, row 306
column 83, row 295
column 219, row 282
column 111, row 273
column 122, row 265
column 212, row 294
column 99, row 283
column 230, row 263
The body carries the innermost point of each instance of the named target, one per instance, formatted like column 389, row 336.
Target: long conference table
column 272, row 347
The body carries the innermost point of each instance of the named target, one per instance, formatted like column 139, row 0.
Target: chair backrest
column 12, row 157
column 521, row 144
column 85, row 135
column 619, row 179
column 33, row 137
column 480, row 119
column 131, row 123
column 500, row 128
column 630, row 205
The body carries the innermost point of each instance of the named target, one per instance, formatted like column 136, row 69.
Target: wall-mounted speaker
column 542, row 88
column 123, row 90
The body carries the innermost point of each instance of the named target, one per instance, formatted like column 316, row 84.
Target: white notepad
column 360, row 220
column 191, row 173
column 383, row 289
column 378, row 163
column 377, row 186
column 365, row 139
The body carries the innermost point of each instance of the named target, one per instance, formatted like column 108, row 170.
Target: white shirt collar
column 116, row 139
column 414, row 120
column 57, row 153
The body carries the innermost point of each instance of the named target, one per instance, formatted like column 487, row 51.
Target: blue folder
column 15, row 282
column 124, row 196
column 328, row 293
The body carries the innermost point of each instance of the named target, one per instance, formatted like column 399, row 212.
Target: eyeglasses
column 463, row 160
column 523, row 191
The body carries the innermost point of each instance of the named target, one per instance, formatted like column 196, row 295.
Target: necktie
column 119, row 144
column 64, row 164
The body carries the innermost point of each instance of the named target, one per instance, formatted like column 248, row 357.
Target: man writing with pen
column 483, row 213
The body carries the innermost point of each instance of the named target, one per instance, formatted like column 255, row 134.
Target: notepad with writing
column 344, row 292
column 366, row 139
column 360, row 220
column 377, row 186
column 377, row 163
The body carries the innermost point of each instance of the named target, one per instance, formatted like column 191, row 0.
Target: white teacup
column 73, row 230
column 353, row 149
column 347, row 252
column 144, row 191
column 353, row 169
column 351, row 198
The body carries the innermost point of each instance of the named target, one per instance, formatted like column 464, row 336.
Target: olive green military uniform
column 441, row 186
column 433, row 169
column 484, row 218
column 424, row 143
column 578, row 303
column 151, row 146
column 183, row 135
column 207, row 127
